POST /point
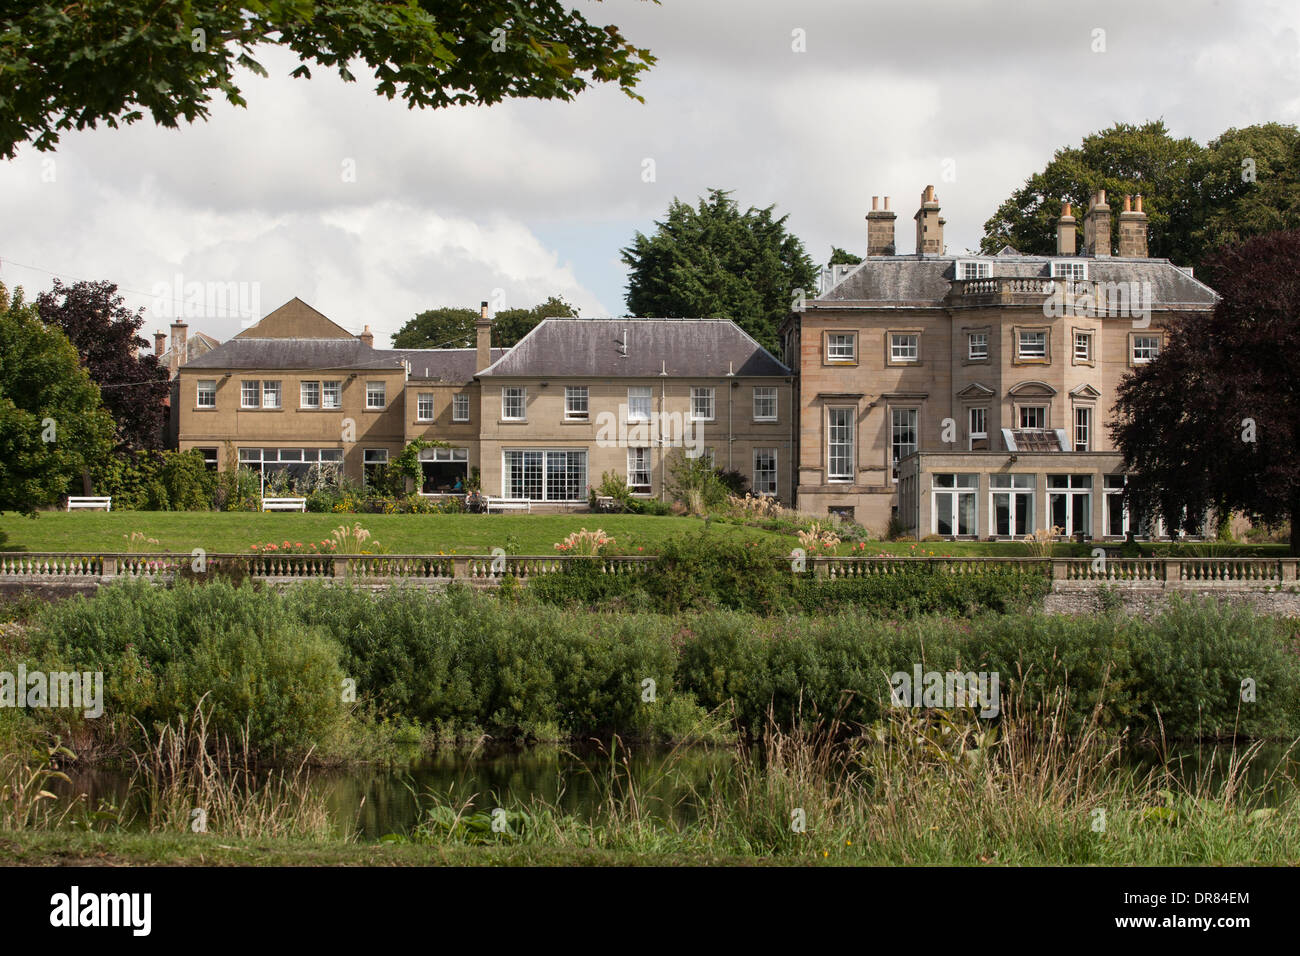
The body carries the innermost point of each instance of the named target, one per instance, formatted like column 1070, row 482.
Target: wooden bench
column 284, row 504
column 509, row 504
column 91, row 503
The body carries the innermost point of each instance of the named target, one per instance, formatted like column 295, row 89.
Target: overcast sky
column 536, row 198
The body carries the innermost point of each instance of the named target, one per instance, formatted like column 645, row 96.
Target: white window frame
column 639, row 466
column 849, row 432
column 306, row 391
column 971, row 354
column 1085, row 339
column 703, row 407
column 1021, row 353
column 1072, row 494
column 376, row 396
column 1153, row 351
column 460, row 408
column 636, row 396
column 895, row 446
column 577, row 403
column 269, row 389
column 1020, row 416
column 971, row 434
column 763, row 394
column 1013, row 491
column 974, row 269
column 331, row 394
column 1076, row 270
column 964, row 486
column 1083, row 427
column 768, row 475
column 205, row 387
column 905, row 347
column 510, row 395
column 247, row 386
column 841, row 347
column 544, row 456
column 422, row 401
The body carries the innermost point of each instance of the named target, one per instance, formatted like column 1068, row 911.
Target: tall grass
column 936, row 787
column 187, row 780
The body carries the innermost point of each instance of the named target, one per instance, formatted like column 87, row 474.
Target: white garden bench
column 284, row 504
column 91, row 503
column 509, row 504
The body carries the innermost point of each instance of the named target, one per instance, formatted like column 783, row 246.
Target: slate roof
column 689, row 348
column 926, row 281
column 250, row 353
column 446, row 365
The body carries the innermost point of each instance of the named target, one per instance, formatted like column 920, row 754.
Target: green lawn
column 224, row 532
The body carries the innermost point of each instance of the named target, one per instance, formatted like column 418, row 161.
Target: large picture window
column 545, row 475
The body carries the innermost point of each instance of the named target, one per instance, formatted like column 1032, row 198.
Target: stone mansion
column 964, row 396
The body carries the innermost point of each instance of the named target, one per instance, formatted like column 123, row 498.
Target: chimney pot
column 929, row 225
column 1133, row 227
column 1096, row 227
column 367, row 337
column 483, row 339
column 880, row 229
column 875, row 203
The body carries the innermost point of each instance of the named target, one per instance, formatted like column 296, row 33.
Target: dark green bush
column 463, row 660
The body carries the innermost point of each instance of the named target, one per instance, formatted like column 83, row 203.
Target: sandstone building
column 575, row 398
column 968, row 395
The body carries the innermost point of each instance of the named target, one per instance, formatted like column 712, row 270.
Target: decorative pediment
column 1085, row 391
column 976, row 390
column 1031, row 390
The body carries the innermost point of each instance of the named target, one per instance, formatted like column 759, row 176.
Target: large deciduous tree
column 1124, row 159
column 106, row 335
column 75, row 65
column 449, row 327
column 714, row 261
column 1214, row 420
column 52, row 425
column 1244, row 183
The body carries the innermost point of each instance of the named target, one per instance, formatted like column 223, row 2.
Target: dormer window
column 1073, row 269
column 973, row 269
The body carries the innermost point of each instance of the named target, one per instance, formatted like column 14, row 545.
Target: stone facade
column 970, row 360
column 543, row 420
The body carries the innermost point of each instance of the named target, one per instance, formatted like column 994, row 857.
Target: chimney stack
column 929, row 227
column 367, row 337
column 483, row 326
column 1066, row 233
column 1133, row 223
column 180, row 345
column 880, row 229
column 159, row 343
column 1096, row 226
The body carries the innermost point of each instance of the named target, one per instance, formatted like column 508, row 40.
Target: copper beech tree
column 1213, row 423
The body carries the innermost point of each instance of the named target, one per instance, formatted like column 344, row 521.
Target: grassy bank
column 933, row 789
